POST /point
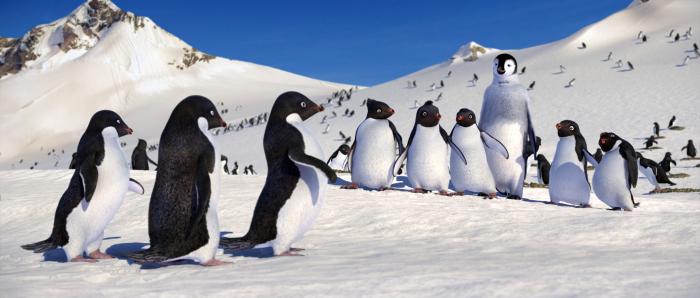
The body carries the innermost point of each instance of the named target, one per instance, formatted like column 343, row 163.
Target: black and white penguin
column 690, row 149
column 183, row 215
column 338, row 159
column 650, row 142
column 543, row 168
column 568, row 182
column 427, row 165
column 139, row 158
column 653, row 172
column 598, row 155
column 296, row 179
column 670, row 122
column 617, row 173
column 375, row 148
column 224, row 164
column 666, row 162
column 505, row 114
column 656, row 129
column 95, row 192
column 474, row 176
column 73, row 161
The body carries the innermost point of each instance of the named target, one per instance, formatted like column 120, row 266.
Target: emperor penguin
column 616, row 173
column 375, row 148
column 505, row 114
column 338, row 159
column 427, row 165
column 568, row 177
column 183, row 222
column 95, row 191
column 296, row 180
column 474, row 176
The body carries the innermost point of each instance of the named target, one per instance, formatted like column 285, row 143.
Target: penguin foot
column 514, row 197
column 492, row 196
column 350, row 186
column 636, row 205
column 290, row 253
column 215, row 262
column 81, row 259
column 419, row 190
column 458, row 193
column 296, row 249
column 656, row 190
column 98, row 255
column 584, row 206
column 444, row 193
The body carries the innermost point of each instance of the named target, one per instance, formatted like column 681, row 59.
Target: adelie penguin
column 139, row 158
column 95, row 191
column 656, row 129
column 650, row 142
column 474, row 176
column 598, row 155
column 568, row 179
column 296, row 179
column 653, row 172
column 690, row 149
column 617, row 173
column 505, row 114
column 543, row 168
column 670, row 122
column 666, row 162
column 427, row 165
column 375, row 148
column 338, row 159
column 182, row 216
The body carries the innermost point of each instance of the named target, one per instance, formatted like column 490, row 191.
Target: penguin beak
column 222, row 122
column 129, row 130
column 320, row 108
column 438, row 116
column 558, row 126
column 391, row 111
column 460, row 118
column 500, row 70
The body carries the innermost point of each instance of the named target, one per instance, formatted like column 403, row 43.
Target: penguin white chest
column 427, row 165
column 475, row 176
column 567, row 177
column 338, row 163
column 610, row 181
column 374, row 154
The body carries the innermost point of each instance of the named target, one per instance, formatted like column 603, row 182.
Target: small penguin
column 629, row 64
column 562, row 69
column 139, row 158
column 338, row 159
column 673, row 120
column 653, row 172
column 235, row 168
column 644, row 39
column 532, row 86
column 543, row 168
column 609, row 56
column 657, row 129
column 296, row 180
column 568, row 181
column 690, row 149
column 427, row 164
column 650, row 142
column 183, row 212
column 685, row 60
column 666, row 162
column 583, row 45
column 677, row 37
column 670, row 33
column 598, row 155
column 224, row 164
column 618, row 63
column 523, row 70
column 95, row 191
column 616, row 173
column 639, row 34
column 571, row 83
column 474, row 176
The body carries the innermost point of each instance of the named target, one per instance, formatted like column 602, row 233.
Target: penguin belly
column 508, row 173
column 475, row 176
column 610, row 181
column 427, row 165
column 567, row 177
column 338, row 163
column 374, row 154
column 649, row 174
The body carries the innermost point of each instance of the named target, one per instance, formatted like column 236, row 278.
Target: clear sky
column 357, row 42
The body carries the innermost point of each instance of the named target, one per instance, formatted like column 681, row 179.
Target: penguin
column 670, row 123
column 532, row 86
column 543, row 168
column 617, row 173
column 571, row 83
column 250, row 169
column 639, row 35
column 183, row 212
column 235, row 168
column 95, row 191
column 629, row 64
column 650, row 142
column 656, row 129
column 73, row 161
column 644, row 39
column 671, row 33
column 562, row 69
column 139, row 158
column 224, row 164
column 666, row 162
column 598, row 155
column 652, row 172
column 474, row 176
column 523, row 70
column 375, row 148
column 609, row 56
column 296, row 179
column 505, row 114
column 568, row 177
column 337, row 161
column 427, row 164
column 690, row 149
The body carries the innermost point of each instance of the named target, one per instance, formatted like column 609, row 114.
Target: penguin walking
column 375, row 148
column 667, row 161
column 598, row 155
column 562, row 69
column 609, row 56
column 296, row 179
column 571, row 83
column 653, row 172
column 427, row 164
column 670, row 122
column 95, row 191
column 617, row 173
column 644, row 39
column 474, row 176
column 532, row 86
column 568, row 182
column 505, row 114
column 657, row 129
column 639, row 34
column 670, row 33
column 338, row 159
column 235, row 168
column 474, row 79
column 183, row 213
column 326, row 129
column 629, row 64
column 650, row 142
column 543, row 168
column 522, row 72
column 690, row 149
column 139, row 158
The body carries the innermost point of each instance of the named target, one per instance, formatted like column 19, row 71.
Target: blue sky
column 358, row 42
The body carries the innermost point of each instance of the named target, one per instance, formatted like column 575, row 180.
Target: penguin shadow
column 121, row 250
column 681, row 65
column 558, row 72
column 401, row 182
column 625, row 70
column 55, row 255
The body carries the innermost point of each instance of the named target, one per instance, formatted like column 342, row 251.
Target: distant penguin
column 251, row 170
column 678, row 37
column 598, row 155
column 375, row 148
column 427, row 163
column 568, row 181
column 639, row 34
column 673, row 120
column 650, row 142
column 449, row 73
column 685, row 60
column 666, row 162
column 532, row 86
column 562, row 69
column 571, row 83
column 690, row 149
column 670, row 33
column 609, row 56
column 618, row 63
column 183, row 212
column 474, row 176
column 95, row 191
column 73, row 162
column 648, row 167
column 644, row 38
column 296, row 182
column 338, row 159
column 543, row 168
column 326, row 129
column 523, row 70
column 505, row 114
column 695, row 47
column 617, row 173
column 235, row 168
column 224, row 164
column 657, row 129
column 583, row 45
column 629, row 64
column 139, row 158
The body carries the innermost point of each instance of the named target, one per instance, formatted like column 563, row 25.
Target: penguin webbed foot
column 290, row 253
column 350, row 186
column 98, row 255
column 419, row 190
column 84, row 260
column 215, row 262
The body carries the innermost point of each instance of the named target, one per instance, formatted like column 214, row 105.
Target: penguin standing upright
column 653, row 172
column 505, row 114
column 474, row 176
column 650, row 142
column 690, row 149
column 543, row 168
column 139, row 158
column 182, row 216
column 568, row 180
column 338, row 159
column 427, row 166
column 374, row 151
column 616, row 173
column 666, row 162
column 95, row 191
column 296, row 179
column 656, row 129
column 224, row 164
column 670, row 122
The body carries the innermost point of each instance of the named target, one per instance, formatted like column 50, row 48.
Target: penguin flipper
column 397, row 137
column 590, row 158
column 297, row 154
column 628, row 154
column 93, row 156
column 494, row 144
column 235, row 243
column 40, row 246
column 449, row 142
column 135, row 186
column 202, row 187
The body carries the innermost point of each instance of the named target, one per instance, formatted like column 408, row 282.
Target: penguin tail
column 236, row 243
column 147, row 256
column 41, row 246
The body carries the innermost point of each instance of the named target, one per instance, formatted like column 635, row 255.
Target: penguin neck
column 505, row 81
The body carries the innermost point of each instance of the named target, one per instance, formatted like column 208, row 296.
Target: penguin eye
column 571, row 128
column 119, row 121
column 471, row 116
column 211, row 112
column 379, row 110
column 303, row 104
column 424, row 113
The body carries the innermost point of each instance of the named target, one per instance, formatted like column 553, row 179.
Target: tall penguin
column 296, row 179
column 616, row 173
column 427, row 166
column 182, row 215
column 95, row 192
column 568, row 177
column 505, row 114
column 474, row 176
column 374, row 150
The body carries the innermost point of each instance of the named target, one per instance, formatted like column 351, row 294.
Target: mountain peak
column 470, row 52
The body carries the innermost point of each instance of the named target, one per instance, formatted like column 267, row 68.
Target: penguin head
column 106, row 119
column 142, row 144
column 292, row 102
column 378, row 110
column 540, row 157
column 344, row 149
column 607, row 141
column 667, row 155
column 428, row 115
column 638, row 155
column 504, row 66
column 199, row 109
column 567, row 128
column 466, row 118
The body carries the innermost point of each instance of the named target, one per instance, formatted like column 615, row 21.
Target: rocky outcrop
column 192, row 56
